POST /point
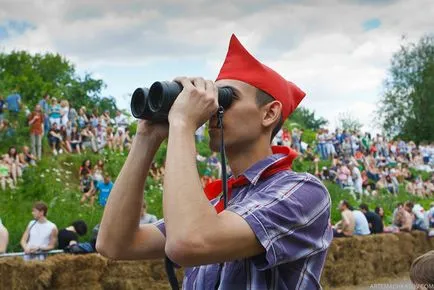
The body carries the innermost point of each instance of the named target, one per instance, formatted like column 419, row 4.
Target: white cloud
column 320, row 45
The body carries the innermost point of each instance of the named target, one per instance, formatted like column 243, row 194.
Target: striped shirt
column 289, row 213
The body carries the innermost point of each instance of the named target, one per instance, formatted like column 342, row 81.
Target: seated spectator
column 361, row 226
column 26, row 157
column 345, row 227
column 430, row 215
column 75, row 140
column 418, row 217
column 4, row 238
column 98, row 172
column 54, row 139
column 15, row 165
column 2, row 107
column 88, row 139
column 110, row 138
column 145, row 217
column 65, row 144
column 5, row 173
column 344, row 175
column 40, row 234
column 6, row 130
column 87, row 187
column 374, row 220
column 380, row 212
column 86, row 165
column 104, row 189
column 421, row 271
column 403, row 219
column 69, row 236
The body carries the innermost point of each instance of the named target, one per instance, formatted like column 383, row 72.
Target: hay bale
column 70, row 270
column 16, row 273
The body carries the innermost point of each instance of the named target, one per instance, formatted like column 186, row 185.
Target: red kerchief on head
column 242, row 66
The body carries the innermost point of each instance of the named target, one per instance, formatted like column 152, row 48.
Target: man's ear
column 271, row 113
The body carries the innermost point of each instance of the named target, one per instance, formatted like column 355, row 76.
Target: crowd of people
column 366, row 164
column 407, row 217
column 42, row 235
column 67, row 129
column 359, row 162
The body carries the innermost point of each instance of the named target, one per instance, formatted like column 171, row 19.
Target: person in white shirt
column 4, row 238
column 357, row 178
column 120, row 121
column 40, row 234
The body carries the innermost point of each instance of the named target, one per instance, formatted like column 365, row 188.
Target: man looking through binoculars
column 275, row 232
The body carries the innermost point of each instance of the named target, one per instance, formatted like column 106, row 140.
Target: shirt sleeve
column 290, row 220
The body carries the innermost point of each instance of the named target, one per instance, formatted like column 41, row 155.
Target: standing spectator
column 54, row 113
column 104, row 189
column 345, row 227
column 64, row 112
column 40, row 234
column 14, row 102
column 374, row 220
column 45, row 106
column 2, row 105
column 82, row 118
column 4, row 238
column 36, row 122
column 121, row 121
column 145, row 217
column 357, row 178
column 69, row 236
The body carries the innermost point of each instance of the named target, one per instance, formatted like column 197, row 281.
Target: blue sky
column 338, row 51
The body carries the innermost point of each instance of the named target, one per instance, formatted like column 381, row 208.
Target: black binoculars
column 154, row 103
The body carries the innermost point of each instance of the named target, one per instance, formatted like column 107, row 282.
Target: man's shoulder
column 290, row 178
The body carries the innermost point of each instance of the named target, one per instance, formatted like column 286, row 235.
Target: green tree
column 307, row 119
column 34, row 75
column 346, row 121
column 407, row 105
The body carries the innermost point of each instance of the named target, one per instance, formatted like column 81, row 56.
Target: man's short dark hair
column 41, row 206
column 263, row 98
column 421, row 270
column 80, row 227
column 346, row 203
column 364, row 206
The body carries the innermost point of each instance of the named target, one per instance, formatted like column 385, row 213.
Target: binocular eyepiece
column 154, row 103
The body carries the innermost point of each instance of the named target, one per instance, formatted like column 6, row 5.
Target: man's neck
column 42, row 220
column 241, row 160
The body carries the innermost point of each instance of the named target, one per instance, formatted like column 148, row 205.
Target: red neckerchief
column 213, row 189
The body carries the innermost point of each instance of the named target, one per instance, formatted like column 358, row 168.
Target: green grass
column 55, row 181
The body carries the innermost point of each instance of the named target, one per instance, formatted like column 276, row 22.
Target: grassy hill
column 55, row 181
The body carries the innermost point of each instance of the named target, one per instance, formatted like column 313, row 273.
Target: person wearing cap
column 275, row 231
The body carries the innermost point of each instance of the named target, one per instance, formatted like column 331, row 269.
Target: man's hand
column 195, row 105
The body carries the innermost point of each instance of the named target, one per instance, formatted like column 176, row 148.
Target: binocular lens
column 154, row 103
column 140, row 105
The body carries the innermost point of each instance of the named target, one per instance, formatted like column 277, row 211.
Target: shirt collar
column 254, row 172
